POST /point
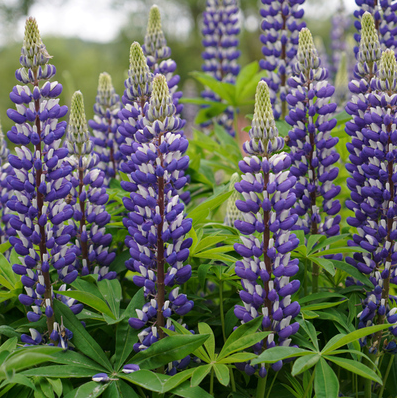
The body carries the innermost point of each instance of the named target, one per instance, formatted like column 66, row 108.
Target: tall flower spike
column 158, row 55
column 6, row 191
column 266, row 267
column 156, row 222
column 312, row 146
column 107, row 139
column 385, row 21
column 92, row 243
column 220, row 30
column 376, row 212
column 280, row 27
column 41, row 180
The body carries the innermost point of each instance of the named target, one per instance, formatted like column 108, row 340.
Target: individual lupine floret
column 40, row 184
column 312, row 146
column 220, row 31
column 340, row 24
column 385, row 18
column 106, row 138
column 376, row 215
column 267, row 267
column 6, row 169
column 158, row 55
column 280, row 27
column 92, row 242
column 156, row 222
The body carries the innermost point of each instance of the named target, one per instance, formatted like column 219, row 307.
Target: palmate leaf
column 275, row 354
column 304, row 363
column 326, row 384
column 88, row 390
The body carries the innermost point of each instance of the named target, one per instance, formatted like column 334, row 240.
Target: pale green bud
column 78, row 137
column 369, row 48
column 161, row 105
column 307, row 53
column 387, row 72
column 106, row 96
column 232, row 212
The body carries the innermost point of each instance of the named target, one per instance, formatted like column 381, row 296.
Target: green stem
column 212, row 382
column 236, row 129
column 271, row 385
column 261, row 387
column 367, row 382
column 309, row 386
column 232, row 381
column 386, row 376
column 221, row 309
column 305, row 281
column 315, row 274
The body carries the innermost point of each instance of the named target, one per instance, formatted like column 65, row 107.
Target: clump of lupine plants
column 138, row 262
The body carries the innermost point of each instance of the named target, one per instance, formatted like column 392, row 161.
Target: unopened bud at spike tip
column 155, row 43
column 369, row 48
column 307, row 52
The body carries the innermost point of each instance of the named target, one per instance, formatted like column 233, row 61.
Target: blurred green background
column 79, row 61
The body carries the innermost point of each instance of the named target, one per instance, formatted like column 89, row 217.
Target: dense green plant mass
column 240, row 262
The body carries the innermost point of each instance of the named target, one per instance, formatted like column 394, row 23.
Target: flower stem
column 271, row 385
column 221, row 309
column 386, row 376
column 261, row 387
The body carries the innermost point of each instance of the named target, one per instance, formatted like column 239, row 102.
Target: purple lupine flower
column 312, row 146
column 280, row 27
column 376, row 212
column 158, row 56
column 156, row 222
column 220, row 30
column 106, row 138
column 40, row 183
column 385, row 16
column 6, row 169
column 130, row 368
column 267, row 267
column 92, row 242
column 340, row 24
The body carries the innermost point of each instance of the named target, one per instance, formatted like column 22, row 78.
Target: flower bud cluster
column 156, row 223
column 267, row 241
column 40, row 182
column 220, row 30
column 106, row 138
column 89, row 194
column 373, row 196
column 385, row 17
column 312, row 146
column 280, row 26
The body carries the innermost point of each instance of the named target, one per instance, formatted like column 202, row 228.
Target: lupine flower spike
column 106, row 138
column 40, row 183
column 267, row 267
column 6, row 169
column 376, row 215
column 220, row 31
column 280, row 27
column 385, row 21
column 158, row 56
column 156, row 222
column 92, row 242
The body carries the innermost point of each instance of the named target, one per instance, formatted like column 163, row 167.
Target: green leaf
column 220, row 88
column 352, row 271
column 126, row 390
column 64, row 371
column 311, row 332
column 341, row 250
column 237, row 358
column 329, row 241
column 353, row 336
column 209, row 344
column 283, row 128
column 87, row 284
column 168, row 349
column 222, row 373
column 90, row 389
column 355, row 367
column 199, row 374
column 177, row 379
column 186, row 391
column 205, row 114
column 90, row 300
column 73, row 358
column 111, row 291
column 250, row 87
column 275, row 354
column 312, row 241
column 342, row 117
column 325, row 263
column 126, row 336
column 19, row 379
column 304, row 363
column 8, row 331
column 202, row 273
column 145, row 379
column 322, row 305
column 9, row 345
column 326, row 384
column 82, row 340
column 7, row 272
column 57, row 386
column 245, row 76
column 319, row 296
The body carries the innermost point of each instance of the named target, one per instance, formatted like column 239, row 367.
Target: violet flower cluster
column 106, row 138
column 40, row 182
column 220, row 30
column 89, row 198
column 6, row 169
column 385, row 16
column 312, row 146
column 156, row 223
column 280, row 26
column 266, row 268
column 373, row 169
